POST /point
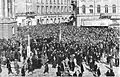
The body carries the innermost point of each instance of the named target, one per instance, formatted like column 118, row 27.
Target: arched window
column 46, row 9
column 42, row 9
column 106, row 8
column 83, row 9
column 58, row 10
column 114, row 8
column 50, row 9
column 54, row 9
column 98, row 8
column 61, row 9
column 65, row 8
column 91, row 8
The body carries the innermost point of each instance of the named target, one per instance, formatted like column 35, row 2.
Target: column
column 1, row 8
column 13, row 8
column 6, row 8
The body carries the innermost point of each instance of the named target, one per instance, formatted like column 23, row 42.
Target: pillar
column 1, row 8
column 6, row 8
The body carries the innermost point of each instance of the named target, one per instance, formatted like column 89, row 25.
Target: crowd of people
column 65, row 47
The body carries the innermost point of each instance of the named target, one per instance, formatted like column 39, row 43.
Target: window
column 54, row 1
column 42, row 1
column 46, row 1
column 28, row 1
column 61, row 9
column 69, row 8
column 54, row 9
column 58, row 9
column 106, row 8
column 15, row 9
column 30, row 8
column 98, row 9
column 37, row 9
column 114, row 8
column 50, row 9
column 65, row 8
column 46, row 9
column 37, row 1
column 61, row 1
column 50, row 1
column 65, row 2
column 42, row 9
column 83, row 9
column 91, row 8
column 58, row 1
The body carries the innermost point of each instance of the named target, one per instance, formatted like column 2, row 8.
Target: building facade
column 8, row 25
column 94, row 9
column 44, row 11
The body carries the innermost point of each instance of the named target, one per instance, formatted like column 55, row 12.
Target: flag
column 28, row 40
column 60, row 35
column 28, row 47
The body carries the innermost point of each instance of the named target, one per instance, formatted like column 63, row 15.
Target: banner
column 28, row 51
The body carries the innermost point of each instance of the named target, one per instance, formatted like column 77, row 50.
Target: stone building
column 90, row 10
column 8, row 25
column 42, row 11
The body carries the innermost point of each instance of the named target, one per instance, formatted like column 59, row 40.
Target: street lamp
column 74, row 4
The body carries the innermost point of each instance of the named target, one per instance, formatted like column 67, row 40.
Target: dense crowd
column 66, row 52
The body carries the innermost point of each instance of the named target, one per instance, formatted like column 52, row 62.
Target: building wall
column 95, row 15
column 43, row 8
column 102, row 3
column 8, row 25
column 8, row 28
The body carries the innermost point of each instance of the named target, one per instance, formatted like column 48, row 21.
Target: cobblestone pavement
column 52, row 72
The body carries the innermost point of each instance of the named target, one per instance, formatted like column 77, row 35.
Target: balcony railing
column 26, row 14
column 96, row 14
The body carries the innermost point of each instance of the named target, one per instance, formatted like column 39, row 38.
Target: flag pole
column 28, row 47
column 60, row 34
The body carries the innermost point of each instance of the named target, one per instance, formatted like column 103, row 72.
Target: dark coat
column 98, row 72
column 82, row 68
column 23, row 71
column 62, row 67
column 46, row 68
column 71, row 65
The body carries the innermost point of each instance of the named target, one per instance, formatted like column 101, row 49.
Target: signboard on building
column 99, row 22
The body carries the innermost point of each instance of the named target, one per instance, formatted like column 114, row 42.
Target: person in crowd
column 23, row 71
column 46, row 70
column 58, row 73
column 98, row 72
column 110, row 73
column 30, row 68
column 9, row 66
column 16, row 66
column 82, row 68
column 0, row 66
column 71, row 65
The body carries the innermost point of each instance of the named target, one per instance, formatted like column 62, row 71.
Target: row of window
column 98, row 8
column 53, row 9
column 54, row 1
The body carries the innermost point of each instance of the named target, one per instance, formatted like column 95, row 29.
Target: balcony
column 98, row 14
column 28, row 14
